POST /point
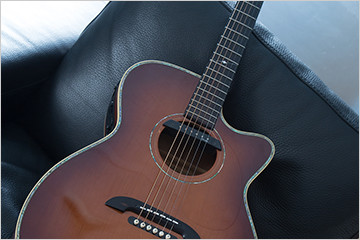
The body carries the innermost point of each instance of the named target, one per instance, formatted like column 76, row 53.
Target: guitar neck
column 205, row 105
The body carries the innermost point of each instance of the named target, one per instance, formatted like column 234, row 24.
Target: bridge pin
column 168, row 236
column 136, row 221
column 155, row 230
column 142, row 225
column 148, row 227
column 161, row 233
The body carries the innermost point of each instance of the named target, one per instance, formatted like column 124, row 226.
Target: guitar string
column 173, row 159
column 182, row 167
column 151, row 205
column 155, row 181
column 149, row 194
column 187, row 188
column 164, row 192
column 181, row 186
column 196, row 108
column 189, row 151
column 190, row 165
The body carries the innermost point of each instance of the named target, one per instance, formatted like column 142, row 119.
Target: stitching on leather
column 306, row 75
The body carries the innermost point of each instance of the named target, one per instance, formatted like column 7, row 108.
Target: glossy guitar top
column 72, row 199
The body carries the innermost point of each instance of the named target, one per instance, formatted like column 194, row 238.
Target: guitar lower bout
column 69, row 200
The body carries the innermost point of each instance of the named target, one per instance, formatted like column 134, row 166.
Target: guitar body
column 69, row 200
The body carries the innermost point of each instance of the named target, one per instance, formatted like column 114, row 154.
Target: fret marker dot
column 224, row 62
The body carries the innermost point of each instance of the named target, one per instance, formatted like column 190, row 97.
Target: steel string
column 196, row 107
column 159, row 204
column 196, row 149
column 155, row 181
column 181, row 153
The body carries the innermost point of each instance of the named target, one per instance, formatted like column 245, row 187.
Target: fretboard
column 205, row 105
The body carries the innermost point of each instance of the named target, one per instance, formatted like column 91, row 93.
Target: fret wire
column 252, row 11
column 217, row 80
column 237, row 33
column 230, row 50
column 195, row 109
column 208, row 99
column 226, row 58
column 243, row 24
column 253, row 5
column 244, row 18
column 212, row 94
column 233, row 41
column 220, row 74
column 246, row 14
column 201, row 117
column 217, row 89
column 213, row 109
column 222, row 65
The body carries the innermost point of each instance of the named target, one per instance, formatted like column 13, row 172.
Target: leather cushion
column 309, row 190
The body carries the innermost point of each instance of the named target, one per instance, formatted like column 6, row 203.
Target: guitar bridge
column 124, row 204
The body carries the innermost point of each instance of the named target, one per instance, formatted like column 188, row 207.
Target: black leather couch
column 55, row 103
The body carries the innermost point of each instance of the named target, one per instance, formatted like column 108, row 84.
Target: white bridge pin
column 142, row 225
column 161, row 233
column 168, row 236
column 155, row 230
column 136, row 221
column 148, row 227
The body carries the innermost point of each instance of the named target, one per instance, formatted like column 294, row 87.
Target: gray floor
column 325, row 36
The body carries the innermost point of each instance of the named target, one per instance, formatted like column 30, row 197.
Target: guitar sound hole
column 193, row 157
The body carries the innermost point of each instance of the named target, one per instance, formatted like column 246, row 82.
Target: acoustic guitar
column 172, row 167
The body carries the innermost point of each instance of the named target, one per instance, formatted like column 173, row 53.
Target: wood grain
column 70, row 202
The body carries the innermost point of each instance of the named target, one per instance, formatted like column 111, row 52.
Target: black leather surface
column 310, row 189
column 311, row 184
column 22, row 163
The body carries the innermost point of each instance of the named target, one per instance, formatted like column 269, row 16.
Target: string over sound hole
column 189, row 155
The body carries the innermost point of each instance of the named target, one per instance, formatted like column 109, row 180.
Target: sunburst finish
column 69, row 200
